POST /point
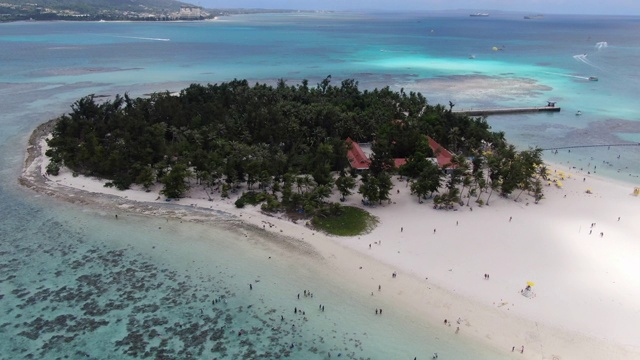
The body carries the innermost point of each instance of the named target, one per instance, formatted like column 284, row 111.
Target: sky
column 596, row 7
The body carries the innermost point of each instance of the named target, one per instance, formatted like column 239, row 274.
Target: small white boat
column 578, row 113
column 593, row 78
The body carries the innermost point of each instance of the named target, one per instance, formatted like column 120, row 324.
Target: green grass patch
column 351, row 222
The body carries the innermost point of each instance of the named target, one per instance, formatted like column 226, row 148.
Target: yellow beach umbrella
column 530, row 283
column 558, row 184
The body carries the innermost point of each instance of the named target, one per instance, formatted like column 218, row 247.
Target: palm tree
column 493, row 185
column 467, row 182
column 299, row 183
column 345, row 185
column 481, row 183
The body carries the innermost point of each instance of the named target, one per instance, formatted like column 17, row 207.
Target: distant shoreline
column 215, row 15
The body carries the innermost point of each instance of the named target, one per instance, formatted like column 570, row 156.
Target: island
column 290, row 146
column 456, row 229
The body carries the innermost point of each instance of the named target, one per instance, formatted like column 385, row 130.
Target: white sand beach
column 579, row 250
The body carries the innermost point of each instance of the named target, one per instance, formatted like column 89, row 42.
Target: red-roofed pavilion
column 356, row 156
column 443, row 156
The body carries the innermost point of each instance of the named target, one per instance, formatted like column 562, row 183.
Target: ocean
column 75, row 285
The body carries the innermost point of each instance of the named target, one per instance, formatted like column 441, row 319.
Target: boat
column 593, row 78
column 532, row 17
column 578, row 113
column 479, row 14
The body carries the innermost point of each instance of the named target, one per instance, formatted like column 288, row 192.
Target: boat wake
column 583, row 59
column 567, row 75
column 601, row 45
column 144, row 38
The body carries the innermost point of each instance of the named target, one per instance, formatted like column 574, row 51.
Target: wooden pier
column 506, row 111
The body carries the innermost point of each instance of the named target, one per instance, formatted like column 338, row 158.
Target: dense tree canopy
column 279, row 138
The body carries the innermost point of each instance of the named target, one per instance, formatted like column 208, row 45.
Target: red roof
column 399, row 162
column 443, row 156
column 356, row 156
column 359, row 160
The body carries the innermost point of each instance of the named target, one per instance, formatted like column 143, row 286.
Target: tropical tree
column 176, row 181
column 369, row 189
column 529, row 161
column 322, row 164
column 384, row 185
column 381, row 160
column 345, row 185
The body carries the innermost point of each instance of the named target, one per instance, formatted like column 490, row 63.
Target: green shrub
column 53, row 168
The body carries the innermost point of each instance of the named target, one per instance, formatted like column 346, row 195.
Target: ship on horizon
column 479, row 14
column 531, row 17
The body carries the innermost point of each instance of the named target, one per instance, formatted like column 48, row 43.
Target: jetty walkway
column 505, row 111
column 589, row 146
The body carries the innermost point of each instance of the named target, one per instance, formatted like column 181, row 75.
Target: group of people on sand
column 306, row 293
column 434, row 356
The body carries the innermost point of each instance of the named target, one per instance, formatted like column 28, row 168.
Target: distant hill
column 11, row 10
column 122, row 5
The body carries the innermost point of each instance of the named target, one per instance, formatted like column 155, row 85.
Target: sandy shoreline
column 585, row 304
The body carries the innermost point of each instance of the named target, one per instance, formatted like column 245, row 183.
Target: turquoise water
column 75, row 284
